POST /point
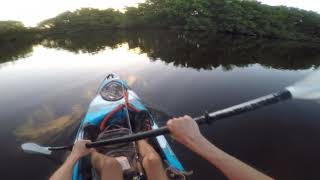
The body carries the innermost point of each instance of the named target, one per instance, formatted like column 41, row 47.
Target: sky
column 31, row 12
column 311, row 5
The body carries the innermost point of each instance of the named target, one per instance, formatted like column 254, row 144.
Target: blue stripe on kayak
column 138, row 104
column 75, row 175
column 168, row 153
column 95, row 118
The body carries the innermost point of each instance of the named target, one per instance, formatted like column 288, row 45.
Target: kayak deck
column 99, row 108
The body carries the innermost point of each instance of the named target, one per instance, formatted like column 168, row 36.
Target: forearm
column 231, row 167
column 65, row 171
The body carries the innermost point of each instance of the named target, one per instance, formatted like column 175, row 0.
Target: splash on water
column 308, row 89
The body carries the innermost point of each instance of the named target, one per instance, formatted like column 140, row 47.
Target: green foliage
column 231, row 16
column 11, row 31
column 16, row 40
column 227, row 16
column 11, row 26
column 84, row 19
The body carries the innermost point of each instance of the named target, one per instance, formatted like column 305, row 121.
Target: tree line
column 227, row 16
column 247, row 17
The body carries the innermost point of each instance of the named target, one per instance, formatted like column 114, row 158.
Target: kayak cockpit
column 114, row 113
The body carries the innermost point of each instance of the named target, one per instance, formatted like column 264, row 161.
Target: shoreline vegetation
column 188, row 33
column 240, row 17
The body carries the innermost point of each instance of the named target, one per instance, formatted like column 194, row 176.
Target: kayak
column 116, row 106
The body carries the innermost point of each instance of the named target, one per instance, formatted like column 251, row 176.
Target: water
column 308, row 88
column 47, row 85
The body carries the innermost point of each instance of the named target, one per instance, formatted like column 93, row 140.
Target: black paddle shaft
column 205, row 119
column 58, row 148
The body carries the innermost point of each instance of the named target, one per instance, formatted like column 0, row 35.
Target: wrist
column 201, row 145
column 195, row 141
column 73, row 158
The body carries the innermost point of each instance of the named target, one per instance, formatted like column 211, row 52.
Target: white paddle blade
column 308, row 89
column 33, row 148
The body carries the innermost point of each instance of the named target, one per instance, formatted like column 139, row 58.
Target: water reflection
column 84, row 42
column 184, row 49
column 197, row 50
column 13, row 50
column 44, row 95
column 43, row 126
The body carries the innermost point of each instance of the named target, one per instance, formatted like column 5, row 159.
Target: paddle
column 33, row 148
column 205, row 119
column 308, row 89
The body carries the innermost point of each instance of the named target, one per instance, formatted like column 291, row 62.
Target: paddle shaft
column 205, row 119
column 67, row 147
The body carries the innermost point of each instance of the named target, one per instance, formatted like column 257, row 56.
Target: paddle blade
column 308, row 88
column 33, row 148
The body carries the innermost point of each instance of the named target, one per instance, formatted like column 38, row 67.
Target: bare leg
column 107, row 167
column 151, row 162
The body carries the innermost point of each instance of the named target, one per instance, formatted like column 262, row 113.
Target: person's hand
column 79, row 149
column 185, row 130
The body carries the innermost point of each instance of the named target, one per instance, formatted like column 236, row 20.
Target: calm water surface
column 46, row 88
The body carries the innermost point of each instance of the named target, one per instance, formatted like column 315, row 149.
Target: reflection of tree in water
column 196, row 50
column 84, row 41
column 186, row 49
column 15, row 49
column 44, row 125
column 205, row 51
column 55, row 121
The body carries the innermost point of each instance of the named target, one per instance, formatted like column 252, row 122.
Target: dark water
column 46, row 86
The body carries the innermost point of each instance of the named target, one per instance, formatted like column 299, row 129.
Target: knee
column 111, row 163
column 152, row 160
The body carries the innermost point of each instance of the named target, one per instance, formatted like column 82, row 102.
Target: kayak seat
column 125, row 152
